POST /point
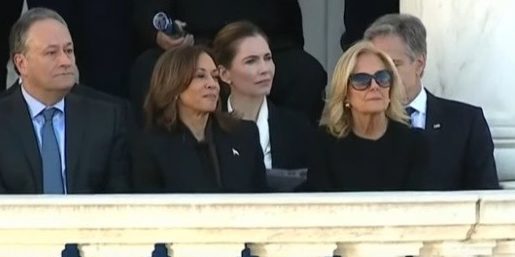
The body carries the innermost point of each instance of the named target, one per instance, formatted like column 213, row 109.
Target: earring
column 347, row 105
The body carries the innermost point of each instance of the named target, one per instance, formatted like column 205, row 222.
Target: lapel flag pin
column 436, row 126
column 235, row 152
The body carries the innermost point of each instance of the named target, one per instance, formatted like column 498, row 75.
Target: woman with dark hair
column 188, row 145
column 247, row 68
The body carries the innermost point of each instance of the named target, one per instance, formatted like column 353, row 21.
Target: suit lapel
column 21, row 125
column 77, row 119
column 228, row 154
column 434, row 114
column 276, row 140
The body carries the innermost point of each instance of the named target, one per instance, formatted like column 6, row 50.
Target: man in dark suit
column 58, row 138
column 461, row 143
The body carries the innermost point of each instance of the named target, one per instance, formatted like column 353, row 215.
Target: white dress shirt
column 418, row 117
column 264, row 134
column 35, row 108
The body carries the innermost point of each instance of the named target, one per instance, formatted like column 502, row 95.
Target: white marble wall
column 323, row 25
column 471, row 57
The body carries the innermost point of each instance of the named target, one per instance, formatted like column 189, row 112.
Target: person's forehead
column 252, row 45
column 369, row 61
column 205, row 62
column 390, row 43
column 48, row 32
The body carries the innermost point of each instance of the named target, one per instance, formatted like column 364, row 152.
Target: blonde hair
column 338, row 118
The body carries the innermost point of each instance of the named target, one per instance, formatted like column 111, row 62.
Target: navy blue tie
column 410, row 110
column 52, row 177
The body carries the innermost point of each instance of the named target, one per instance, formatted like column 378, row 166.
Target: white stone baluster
column 291, row 250
column 377, row 249
column 29, row 250
column 118, row 250
column 457, row 249
column 203, row 250
column 504, row 248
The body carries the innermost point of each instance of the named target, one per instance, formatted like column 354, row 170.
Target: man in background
column 461, row 154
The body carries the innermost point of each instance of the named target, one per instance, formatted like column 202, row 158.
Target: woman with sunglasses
column 364, row 142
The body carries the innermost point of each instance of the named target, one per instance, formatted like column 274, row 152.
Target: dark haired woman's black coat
column 174, row 162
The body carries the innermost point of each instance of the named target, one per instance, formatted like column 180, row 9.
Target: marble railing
column 504, row 140
column 271, row 225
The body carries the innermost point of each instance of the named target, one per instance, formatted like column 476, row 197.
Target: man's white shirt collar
column 418, row 118
column 420, row 102
column 35, row 106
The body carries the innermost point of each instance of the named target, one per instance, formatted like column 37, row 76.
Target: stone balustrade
column 475, row 223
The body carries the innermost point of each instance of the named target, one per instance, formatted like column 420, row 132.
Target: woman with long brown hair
column 247, row 68
column 188, row 145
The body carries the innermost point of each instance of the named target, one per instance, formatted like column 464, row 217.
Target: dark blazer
column 291, row 135
column 461, row 147
column 96, row 150
column 167, row 162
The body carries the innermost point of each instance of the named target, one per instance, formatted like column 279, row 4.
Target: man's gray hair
column 408, row 27
column 18, row 36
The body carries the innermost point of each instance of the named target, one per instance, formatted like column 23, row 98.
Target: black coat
column 357, row 164
column 291, row 136
column 168, row 161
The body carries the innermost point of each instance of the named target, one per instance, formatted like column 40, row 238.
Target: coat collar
column 22, row 127
column 78, row 120
column 434, row 113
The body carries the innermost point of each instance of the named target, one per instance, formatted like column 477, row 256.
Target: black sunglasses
column 362, row 81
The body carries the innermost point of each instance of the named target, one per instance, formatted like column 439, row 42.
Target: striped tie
column 410, row 110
